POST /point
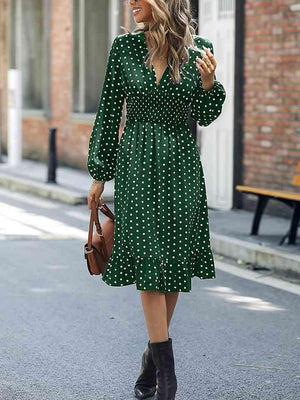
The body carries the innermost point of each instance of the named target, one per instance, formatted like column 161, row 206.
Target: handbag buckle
column 86, row 251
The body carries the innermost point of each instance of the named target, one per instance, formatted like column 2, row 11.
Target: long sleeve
column 206, row 105
column 103, row 142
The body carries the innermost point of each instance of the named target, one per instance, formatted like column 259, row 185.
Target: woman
column 161, row 234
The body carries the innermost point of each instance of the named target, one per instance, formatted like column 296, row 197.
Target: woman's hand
column 95, row 191
column 207, row 68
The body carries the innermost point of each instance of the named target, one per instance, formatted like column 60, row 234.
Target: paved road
column 67, row 335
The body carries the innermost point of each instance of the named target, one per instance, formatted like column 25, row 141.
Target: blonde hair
column 173, row 22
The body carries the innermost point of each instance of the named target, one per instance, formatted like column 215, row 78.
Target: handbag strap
column 106, row 211
column 94, row 218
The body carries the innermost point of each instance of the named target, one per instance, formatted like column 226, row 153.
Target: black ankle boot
column 166, row 381
column 145, row 385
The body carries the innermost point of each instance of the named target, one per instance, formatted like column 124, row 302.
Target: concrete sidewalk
column 229, row 229
column 230, row 236
column 72, row 185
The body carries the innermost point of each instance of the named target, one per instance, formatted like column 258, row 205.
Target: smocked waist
column 169, row 124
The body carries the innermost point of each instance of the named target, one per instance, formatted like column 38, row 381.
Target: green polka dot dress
column 161, row 234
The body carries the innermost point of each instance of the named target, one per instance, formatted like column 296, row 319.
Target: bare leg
column 171, row 300
column 158, row 310
column 157, row 372
column 155, row 312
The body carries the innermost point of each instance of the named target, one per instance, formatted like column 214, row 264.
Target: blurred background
column 53, row 55
column 61, row 48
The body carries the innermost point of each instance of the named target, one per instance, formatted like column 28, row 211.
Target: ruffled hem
column 162, row 274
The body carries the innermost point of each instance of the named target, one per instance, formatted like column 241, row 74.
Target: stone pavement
column 229, row 229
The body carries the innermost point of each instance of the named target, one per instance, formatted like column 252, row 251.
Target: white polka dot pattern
column 161, row 235
column 103, row 145
column 206, row 105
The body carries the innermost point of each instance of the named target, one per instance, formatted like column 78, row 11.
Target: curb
column 54, row 191
column 48, row 190
column 255, row 254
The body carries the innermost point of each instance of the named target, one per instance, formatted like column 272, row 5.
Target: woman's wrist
column 98, row 181
column 207, row 86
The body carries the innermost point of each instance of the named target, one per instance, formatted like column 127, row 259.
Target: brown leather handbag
column 99, row 246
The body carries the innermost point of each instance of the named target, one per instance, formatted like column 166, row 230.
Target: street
column 67, row 335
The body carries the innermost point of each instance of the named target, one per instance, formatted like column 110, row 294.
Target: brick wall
column 72, row 137
column 72, row 132
column 271, row 94
column 35, row 128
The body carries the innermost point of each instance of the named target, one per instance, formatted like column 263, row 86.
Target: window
column 28, row 50
column 93, row 22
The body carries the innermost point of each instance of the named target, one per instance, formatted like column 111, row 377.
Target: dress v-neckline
column 157, row 85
